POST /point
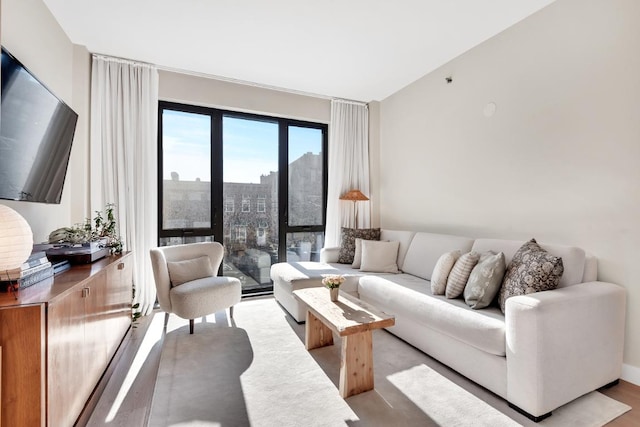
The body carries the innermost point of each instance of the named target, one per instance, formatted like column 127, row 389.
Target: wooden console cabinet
column 58, row 338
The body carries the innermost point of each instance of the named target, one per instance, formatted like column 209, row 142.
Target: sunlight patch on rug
column 445, row 402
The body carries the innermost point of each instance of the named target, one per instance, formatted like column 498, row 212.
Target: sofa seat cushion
column 411, row 297
column 309, row 274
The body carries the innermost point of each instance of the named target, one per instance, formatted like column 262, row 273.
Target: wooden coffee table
column 354, row 321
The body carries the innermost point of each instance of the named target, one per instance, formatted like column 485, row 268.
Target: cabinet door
column 96, row 328
column 23, row 370
column 67, row 387
column 118, row 302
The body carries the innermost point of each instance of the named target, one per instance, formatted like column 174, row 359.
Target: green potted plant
column 101, row 231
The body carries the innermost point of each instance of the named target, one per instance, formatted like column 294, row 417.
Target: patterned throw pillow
column 441, row 272
column 460, row 274
column 532, row 269
column 485, row 280
column 348, row 245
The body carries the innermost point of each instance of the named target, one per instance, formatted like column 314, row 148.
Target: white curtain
column 124, row 116
column 348, row 167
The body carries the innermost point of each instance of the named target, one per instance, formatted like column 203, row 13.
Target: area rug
column 253, row 370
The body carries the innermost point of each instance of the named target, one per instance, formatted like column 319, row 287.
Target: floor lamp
column 355, row 196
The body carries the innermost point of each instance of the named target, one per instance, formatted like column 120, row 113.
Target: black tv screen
column 36, row 132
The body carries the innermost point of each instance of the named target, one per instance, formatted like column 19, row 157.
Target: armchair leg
column 231, row 312
column 191, row 322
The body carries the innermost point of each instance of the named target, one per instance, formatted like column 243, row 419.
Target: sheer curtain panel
column 348, row 167
column 124, row 115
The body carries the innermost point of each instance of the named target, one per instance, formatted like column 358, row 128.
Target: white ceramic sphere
column 16, row 239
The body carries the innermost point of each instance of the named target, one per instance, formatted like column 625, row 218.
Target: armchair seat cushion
column 195, row 298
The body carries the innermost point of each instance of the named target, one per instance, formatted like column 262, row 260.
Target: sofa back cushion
column 573, row 259
column 404, row 237
column 426, row 249
column 590, row 268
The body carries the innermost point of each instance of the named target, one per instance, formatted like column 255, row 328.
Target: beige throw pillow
column 379, row 257
column 191, row 269
column 485, row 280
column 441, row 272
column 460, row 274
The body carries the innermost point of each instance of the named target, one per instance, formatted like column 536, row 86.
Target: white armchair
column 187, row 283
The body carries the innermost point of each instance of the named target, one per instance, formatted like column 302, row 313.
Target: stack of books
column 33, row 270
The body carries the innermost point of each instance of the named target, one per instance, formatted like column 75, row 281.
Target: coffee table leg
column 356, row 364
column 316, row 334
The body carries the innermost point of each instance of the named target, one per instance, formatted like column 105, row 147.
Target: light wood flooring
column 126, row 400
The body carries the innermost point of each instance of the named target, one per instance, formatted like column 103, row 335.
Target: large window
column 257, row 184
column 186, row 171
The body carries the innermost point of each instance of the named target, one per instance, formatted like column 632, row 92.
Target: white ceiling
column 356, row 49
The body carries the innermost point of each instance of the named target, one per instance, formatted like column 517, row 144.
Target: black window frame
column 217, row 202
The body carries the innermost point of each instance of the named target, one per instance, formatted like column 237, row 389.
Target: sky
column 250, row 147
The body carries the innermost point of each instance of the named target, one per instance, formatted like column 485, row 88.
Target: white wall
column 197, row 90
column 558, row 161
column 30, row 33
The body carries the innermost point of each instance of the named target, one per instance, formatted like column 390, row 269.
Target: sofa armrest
column 563, row 343
column 329, row 255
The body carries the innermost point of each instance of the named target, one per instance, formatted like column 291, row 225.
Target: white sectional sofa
column 547, row 349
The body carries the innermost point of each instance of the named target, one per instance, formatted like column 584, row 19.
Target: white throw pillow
column 460, row 274
column 379, row 257
column 357, row 257
column 191, row 269
column 441, row 272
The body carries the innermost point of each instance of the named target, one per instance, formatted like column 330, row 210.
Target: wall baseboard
column 631, row 374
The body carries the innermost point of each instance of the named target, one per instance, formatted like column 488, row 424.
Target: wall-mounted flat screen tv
column 36, row 132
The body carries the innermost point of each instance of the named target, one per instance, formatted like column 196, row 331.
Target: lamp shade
column 16, row 239
column 354, row 195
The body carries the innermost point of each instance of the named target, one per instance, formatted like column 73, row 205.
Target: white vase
column 334, row 293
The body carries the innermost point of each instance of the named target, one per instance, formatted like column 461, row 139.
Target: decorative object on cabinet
column 16, row 243
column 16, row 239
column 88, row 242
